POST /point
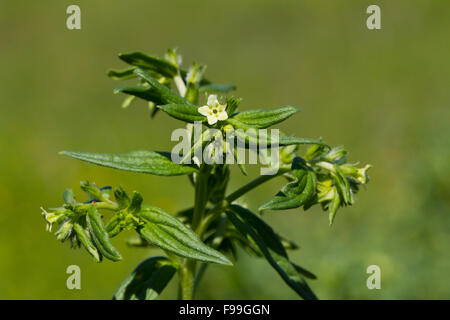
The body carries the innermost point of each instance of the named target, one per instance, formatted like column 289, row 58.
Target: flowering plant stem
column 215, row 226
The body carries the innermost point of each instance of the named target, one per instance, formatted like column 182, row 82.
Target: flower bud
column 359, row 174
column 64, row 230
column 335, row 154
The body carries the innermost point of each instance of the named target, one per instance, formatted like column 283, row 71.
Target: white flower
column 214, row 111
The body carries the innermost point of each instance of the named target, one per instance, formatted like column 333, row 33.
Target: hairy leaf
column 100, row 235
column 146, row 93
column 85, row 239
column 232, row 105
column 147, row 281
column 167, row 232
column 255, row 137
column 271, row 247
column 151, row 162
column 288, row 141
column 142, row 60
column 184, row 112
column 294, row 194
column 165, row 94
column 261, row 119
column 123, row 74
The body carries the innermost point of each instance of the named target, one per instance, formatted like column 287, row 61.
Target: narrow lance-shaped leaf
column 167, row 232
column 288, row 141
column 253, row 136
column 165, row 94
column 146, row 93
column 183, row 112
column 142, row 60
column 123, row 74
column 147, row 281
column 100, row 235
column 304, row 272
column 151, row 162
column 294, row 194
column 261, row 119
column 271, row 247
column 85, row 239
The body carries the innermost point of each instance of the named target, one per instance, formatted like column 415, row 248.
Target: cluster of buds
column 82, row 225
column 338, row 181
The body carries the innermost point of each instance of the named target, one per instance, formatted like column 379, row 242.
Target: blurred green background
column 383, row 94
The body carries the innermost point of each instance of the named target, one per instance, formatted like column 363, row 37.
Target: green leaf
column 142, row 60
column 92, row 190
column 85, row 239
column 288, row 141
column 151, row 162
column 147, row 281
column 100, row 235
column 122, row 198
column 232, row 105
column 218, row 87
column 167, row 232
column 288, row 244
column 146, row 93
column 68, row 196
column 271, row 247
column 165, row 94
column 294, row 194
column 342, row 185
column 123, row 74
column 136, row 202
column 333, row 207
column 183, row 112
column 261, row 119
column 253, row 136
column 304, row 272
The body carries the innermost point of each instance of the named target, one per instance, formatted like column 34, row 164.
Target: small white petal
column 205, row 111
column 212, row 100
column 212, row 119
column 221, row 107
column 222, row 116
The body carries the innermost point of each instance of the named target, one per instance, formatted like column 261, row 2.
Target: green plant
column 209, row 231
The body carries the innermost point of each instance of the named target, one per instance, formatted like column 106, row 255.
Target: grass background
column 383, row 94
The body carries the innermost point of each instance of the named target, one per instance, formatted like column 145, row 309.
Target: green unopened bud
column 359, row 174
column 335, row 154
column 122, row 197
column 64, row 231
column 174, row 57
column 195, row 73
column 314, row 151
column 91, row 189
column 288, row 153
column 55, row 216
column 326, row 191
